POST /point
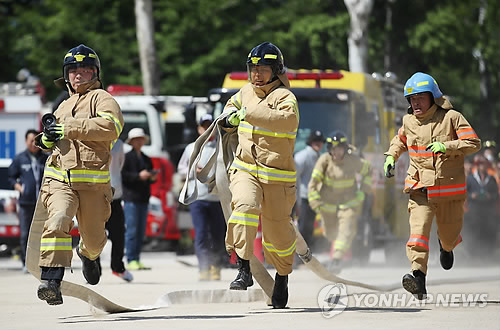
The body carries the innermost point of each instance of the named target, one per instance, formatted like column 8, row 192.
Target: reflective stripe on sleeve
column 247, row 127
column 55, row 244
column 466, row 133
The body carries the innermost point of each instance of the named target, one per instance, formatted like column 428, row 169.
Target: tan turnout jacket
column 443, row 175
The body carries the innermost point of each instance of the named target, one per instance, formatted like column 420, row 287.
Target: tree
column 147, row 50
column 359, row 11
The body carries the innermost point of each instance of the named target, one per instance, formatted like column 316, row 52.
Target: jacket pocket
column 93, row 157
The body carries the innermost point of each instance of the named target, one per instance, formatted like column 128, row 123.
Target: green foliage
column 197, row 42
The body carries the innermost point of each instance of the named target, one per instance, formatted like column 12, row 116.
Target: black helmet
column 81, row 56
column 267, row 54
column 315, row 136
column 337, row 139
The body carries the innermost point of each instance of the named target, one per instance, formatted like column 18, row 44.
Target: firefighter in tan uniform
column 437, row 139
column 76, row 178
column 262, row 176
column 333, row 192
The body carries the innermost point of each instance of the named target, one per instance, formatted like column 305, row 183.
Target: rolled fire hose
column 218, row 182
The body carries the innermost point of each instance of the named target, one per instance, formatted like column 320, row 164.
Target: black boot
column 244, row 278
column 280, row 291
column 50, row 291
column 415, row 284
column 91, row 269
column 445, row 258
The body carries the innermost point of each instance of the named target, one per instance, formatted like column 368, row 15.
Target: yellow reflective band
column 409, row 89
column 246, row 219
column 113, row 119
column 294, row 105
column 68, row 54
column 422, row 83
column 236, row 100
column 91, row 176
column 271, row 56
column 313, row 195
column 339, row 184
column 364, row 169
column 246, row 215
column 93, row 55
column 340, row 245
column 55, row 248
column 55, row 239
column 328, row 208
column 247, row 127
column 317, row 175
column 55, row 244
column 367, row 180
column 264, row 173
column 255, row 60
column 281, row 253
column 79, row 57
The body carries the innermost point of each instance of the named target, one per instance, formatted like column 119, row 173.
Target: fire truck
column 369, row 110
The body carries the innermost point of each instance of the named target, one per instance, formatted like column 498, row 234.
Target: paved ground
column 176, row 284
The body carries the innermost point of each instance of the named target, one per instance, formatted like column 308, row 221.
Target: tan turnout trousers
column 92, row 209
column 449, row 219
column 273, row 203
column 340, row 227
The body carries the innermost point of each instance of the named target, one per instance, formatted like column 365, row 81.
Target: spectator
column 208, row 220
column 304, row 164
column 137, row 176
column 481, row 221
column 25, row 175
column 116, row 223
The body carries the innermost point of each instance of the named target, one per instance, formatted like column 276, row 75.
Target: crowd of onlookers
column 482, row 209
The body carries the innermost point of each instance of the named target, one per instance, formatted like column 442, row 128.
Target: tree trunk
column 147, row 51
column 359, row 11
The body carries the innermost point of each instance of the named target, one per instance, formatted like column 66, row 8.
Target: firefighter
column 76, row 177
column 437, row 139
column 262, row 175
column 333, row 192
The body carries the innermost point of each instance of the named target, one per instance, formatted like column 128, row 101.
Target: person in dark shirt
column 25, row 175
column 137, row 176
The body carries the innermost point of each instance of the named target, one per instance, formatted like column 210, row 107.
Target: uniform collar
column 263, row 91
column 82, row 89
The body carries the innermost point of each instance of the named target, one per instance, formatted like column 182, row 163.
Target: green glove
column 233, row 119
column 46, row 142
column 436, row 147
column 389, row 166
column 242, row 113
column 57, row 130
column 237, row 116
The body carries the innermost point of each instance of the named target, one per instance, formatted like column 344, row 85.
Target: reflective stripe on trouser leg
column 421, row 215
column 94, row 211
column 449, row 220
column 278, row 233
column 61, row 203
column 347, row 226
column 244, row 220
